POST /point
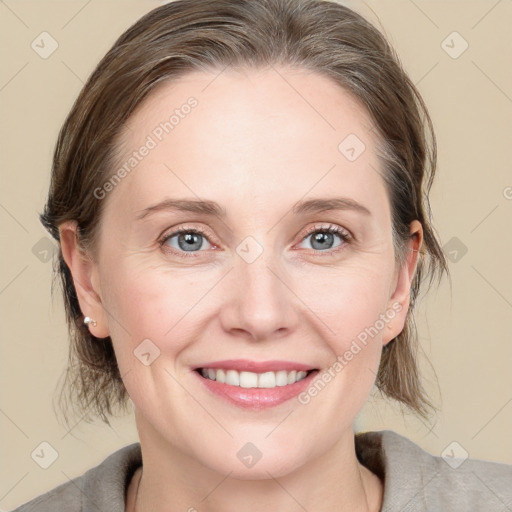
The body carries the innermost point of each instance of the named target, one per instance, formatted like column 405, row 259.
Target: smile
column 245, row 379
column 254, row 385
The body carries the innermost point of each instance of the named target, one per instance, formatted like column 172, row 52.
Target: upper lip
column 246, row 365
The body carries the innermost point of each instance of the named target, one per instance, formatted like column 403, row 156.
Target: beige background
column 466, row 333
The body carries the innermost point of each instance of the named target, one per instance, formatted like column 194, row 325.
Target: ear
column 85, row 278
column 400, row 298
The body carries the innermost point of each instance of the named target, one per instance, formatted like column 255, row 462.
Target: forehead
column 249, row 133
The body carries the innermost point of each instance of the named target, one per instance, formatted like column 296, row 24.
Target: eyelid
column 328, row 227
column 183, row 228
column 344, row 234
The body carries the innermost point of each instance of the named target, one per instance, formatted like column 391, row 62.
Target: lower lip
column 257, row 398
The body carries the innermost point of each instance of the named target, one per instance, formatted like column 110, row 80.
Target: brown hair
column 187, row 35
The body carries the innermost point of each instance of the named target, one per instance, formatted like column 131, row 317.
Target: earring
column 89, row 320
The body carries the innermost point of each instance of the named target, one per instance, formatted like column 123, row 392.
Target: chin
column 275, row 465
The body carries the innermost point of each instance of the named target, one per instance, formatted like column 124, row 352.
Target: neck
column 174, row 480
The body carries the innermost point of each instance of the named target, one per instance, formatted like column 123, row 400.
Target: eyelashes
column 183, row 231
column 194, row 236
column 331, row 230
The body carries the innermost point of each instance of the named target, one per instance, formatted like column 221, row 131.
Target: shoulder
column 415, row 480
column 100, row 488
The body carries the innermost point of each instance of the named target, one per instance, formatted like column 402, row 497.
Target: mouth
column 245, row 379
column 252, row 385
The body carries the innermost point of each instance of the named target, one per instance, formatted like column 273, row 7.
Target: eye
column 324, row 237
column 185, row 240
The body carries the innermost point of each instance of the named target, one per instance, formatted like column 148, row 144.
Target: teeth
column 248, row 380
column 254, row 380
column 232, row 378
column 301, row 375
column 282, row 378
column 266, row 380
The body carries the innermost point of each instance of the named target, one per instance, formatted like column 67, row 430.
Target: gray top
column 414, row 480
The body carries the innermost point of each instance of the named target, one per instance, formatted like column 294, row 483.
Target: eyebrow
column 326, row 204
column 186, row 205
column 212, row 208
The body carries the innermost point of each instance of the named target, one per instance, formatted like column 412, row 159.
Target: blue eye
column 187, row 240
column 324, row 238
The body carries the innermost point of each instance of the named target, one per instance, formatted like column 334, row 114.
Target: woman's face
column 260, row 280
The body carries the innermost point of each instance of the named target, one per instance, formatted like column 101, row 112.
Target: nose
column 260, row 304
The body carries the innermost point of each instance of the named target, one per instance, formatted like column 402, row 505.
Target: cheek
column 144, row 302
column 346, row 301
column 350, row 312
column 147, row 311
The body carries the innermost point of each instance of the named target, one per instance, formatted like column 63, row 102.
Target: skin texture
column 257, row 142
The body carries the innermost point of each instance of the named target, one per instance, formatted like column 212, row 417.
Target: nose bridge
column 262, row 304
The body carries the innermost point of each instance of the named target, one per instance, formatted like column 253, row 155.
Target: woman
column 240, row 198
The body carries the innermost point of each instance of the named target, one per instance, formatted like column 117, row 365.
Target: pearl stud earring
column 88, row 320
